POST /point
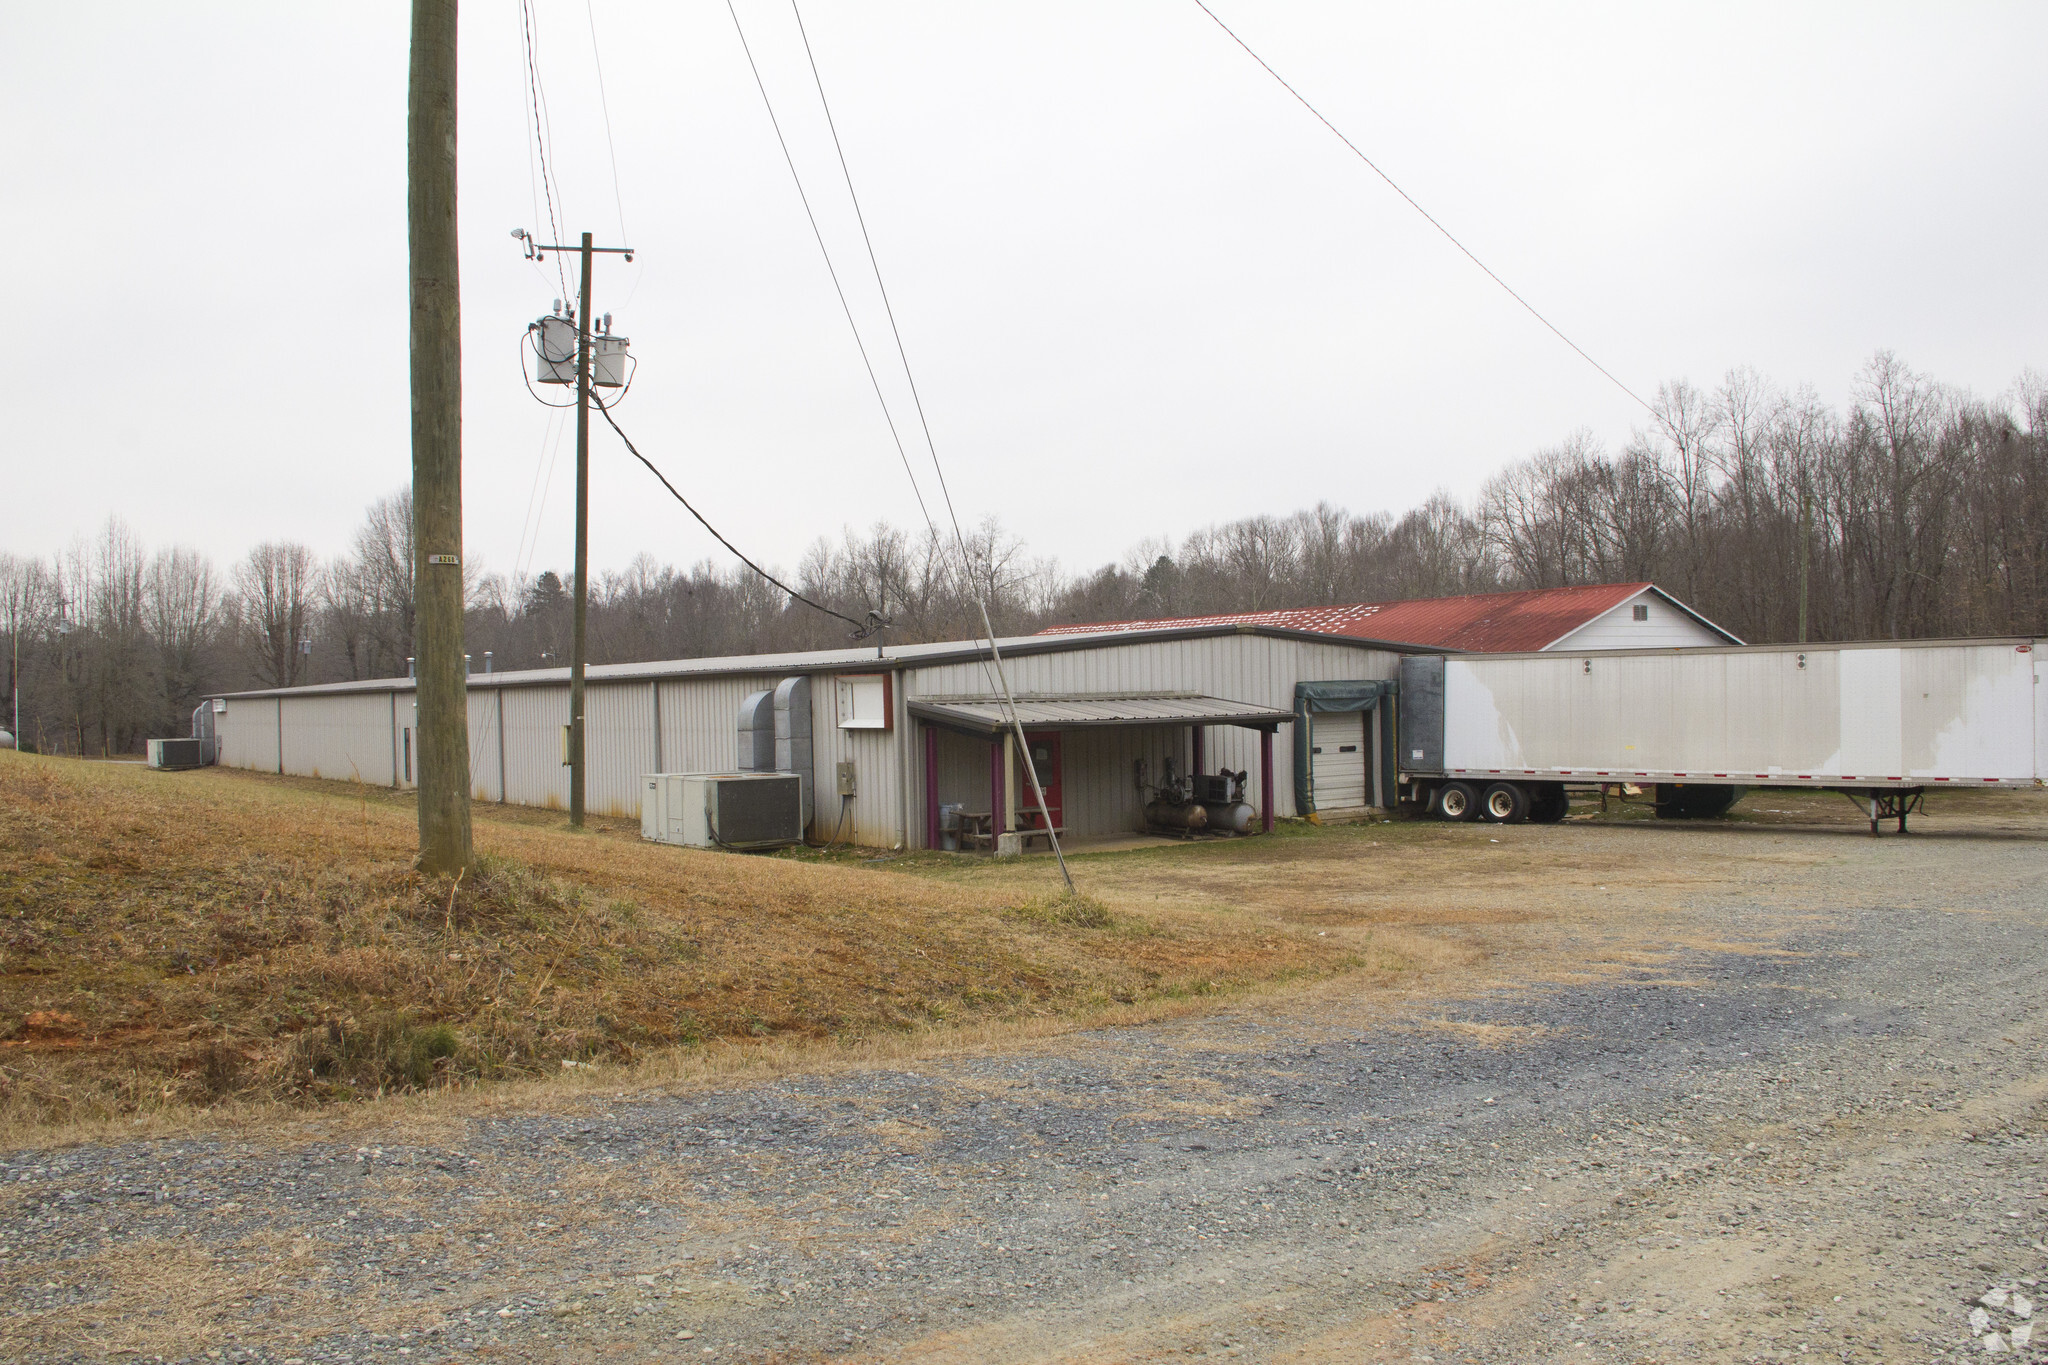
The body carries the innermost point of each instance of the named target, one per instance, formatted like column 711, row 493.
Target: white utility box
column 722, row 810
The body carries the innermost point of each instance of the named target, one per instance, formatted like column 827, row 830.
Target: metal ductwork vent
column 793, row 735
column 757, row 732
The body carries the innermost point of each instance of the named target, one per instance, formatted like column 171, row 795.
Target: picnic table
column 977, row 830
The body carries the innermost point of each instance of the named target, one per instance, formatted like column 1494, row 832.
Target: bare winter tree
column 275, row 589
column 182, row 611
column 384, row 563
column 1682, row 445
column 1917, row 510
column 29, row 600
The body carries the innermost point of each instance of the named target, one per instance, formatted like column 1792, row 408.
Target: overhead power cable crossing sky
column 860, row 627
column 1449, row 236
column 887, row 416
column 902, row 355
column 992, row 664
column 537, row 101
column 537, row 98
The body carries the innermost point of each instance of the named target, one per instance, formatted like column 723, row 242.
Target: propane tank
column 1235, row 817
column 1173, row 815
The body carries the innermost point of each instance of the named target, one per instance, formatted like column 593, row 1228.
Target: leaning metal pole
column 442, row 696
column 1052, row 836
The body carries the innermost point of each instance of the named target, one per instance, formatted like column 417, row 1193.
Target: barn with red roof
column 1590, row 616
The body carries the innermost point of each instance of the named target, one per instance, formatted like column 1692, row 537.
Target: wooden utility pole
column 442, row 722
column 576, row 655
column 586, row 379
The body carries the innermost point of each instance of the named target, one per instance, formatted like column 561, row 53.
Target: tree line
column 1916, row 510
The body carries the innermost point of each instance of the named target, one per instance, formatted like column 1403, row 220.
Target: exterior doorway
column 1337, row 757
column 1042, row 749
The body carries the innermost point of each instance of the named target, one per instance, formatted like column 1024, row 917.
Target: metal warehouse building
column 1306, row 715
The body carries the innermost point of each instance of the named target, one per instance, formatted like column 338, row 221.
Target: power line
column 902, row 355
column 538, row 99
column 611, row 149
column 887, row 307
column 618, row 201
column 966, row 563
column 861, row 628
column 830, row 269
column 1374, row 167
column 537, row 496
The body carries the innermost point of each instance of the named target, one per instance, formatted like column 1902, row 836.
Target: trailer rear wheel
column 1550, row 803
column 1506, row 803
column 1456, row 801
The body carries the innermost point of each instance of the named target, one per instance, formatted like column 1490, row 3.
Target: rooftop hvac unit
column 722, row 810
column 172, row 755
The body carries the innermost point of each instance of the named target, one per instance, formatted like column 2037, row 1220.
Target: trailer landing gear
column 1889, row 805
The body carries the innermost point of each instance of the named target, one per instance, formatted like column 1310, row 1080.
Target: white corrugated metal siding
column 248, row 734
column 347, row 738
column 535, row 773
column 700, row 723
column 618, row 733
column 486, row 778
column 875, row 815
column 1099, row 790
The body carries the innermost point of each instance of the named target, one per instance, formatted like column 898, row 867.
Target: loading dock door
column 1338, row 752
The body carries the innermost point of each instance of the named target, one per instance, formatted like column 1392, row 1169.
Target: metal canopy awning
column 1080, row 710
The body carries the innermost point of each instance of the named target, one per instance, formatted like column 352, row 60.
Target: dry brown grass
column 242, row 942
column 180, row 939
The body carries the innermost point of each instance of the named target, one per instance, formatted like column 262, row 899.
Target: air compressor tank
column 1174, row 815
column 1230, row 817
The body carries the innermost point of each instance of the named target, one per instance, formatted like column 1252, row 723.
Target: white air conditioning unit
column 722, row 810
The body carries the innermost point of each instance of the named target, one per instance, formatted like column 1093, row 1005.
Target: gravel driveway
column 1802, row 1115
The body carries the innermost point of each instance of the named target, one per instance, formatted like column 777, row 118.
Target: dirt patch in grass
column 180, row 939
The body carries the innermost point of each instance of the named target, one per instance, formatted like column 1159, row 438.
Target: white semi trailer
column 1503, row 736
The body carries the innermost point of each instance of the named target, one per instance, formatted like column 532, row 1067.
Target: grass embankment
column 177, row 939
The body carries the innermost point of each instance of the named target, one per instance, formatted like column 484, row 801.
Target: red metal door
column 1043, row 746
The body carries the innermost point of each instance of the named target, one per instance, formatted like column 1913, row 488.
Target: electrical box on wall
column 865, row 700
column 846, row 787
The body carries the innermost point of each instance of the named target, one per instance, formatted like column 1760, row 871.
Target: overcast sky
column 1142, row 290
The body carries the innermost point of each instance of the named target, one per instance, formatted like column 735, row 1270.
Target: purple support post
column 931, row 786
column 1266, row 780
column 996, row 785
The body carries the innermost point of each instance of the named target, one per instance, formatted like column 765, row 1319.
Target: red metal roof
column 1486, row 622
